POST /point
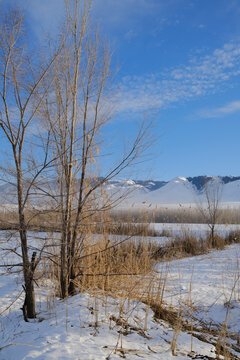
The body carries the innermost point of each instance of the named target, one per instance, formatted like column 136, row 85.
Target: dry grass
column 44, row 220
column 50, row 221
column 130, row 229
column 182, row 215
column 112, row 262
column 114, row 268
column 187, row 244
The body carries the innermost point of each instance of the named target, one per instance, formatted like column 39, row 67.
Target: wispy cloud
column 228, row 109
column 201, row 76
column 121, row 12
column 130, row 34
column 45, row 15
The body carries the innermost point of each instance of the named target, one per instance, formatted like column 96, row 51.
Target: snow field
column 204, row 291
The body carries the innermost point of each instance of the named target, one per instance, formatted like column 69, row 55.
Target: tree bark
column 28, row 268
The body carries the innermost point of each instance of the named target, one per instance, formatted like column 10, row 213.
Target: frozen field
column 202, row 292
column 196, row 229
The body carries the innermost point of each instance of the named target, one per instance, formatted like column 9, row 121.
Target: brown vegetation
column 182, row 215
column 187, row 244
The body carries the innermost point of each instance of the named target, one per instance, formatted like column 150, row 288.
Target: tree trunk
column 212, row 237
column 63, row 269
column 29, row 302
column 28, row 268
column 72, row 287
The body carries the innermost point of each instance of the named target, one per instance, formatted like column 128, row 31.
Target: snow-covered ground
column 198, row 230
column 214, row 280
column 205, row 290
column 69, row 331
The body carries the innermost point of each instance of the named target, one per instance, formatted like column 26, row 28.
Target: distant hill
column 143, row 193
column 200, row 181
column 177, row 191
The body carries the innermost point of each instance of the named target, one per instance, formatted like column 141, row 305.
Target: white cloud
column 201, row 76
column 122, row 11
column 228, row 109
column 43, row 16
column 125, row 17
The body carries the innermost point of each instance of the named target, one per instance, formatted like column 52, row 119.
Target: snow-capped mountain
column 178, row 191
column 149, row 193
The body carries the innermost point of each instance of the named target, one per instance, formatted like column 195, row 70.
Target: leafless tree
column 68, row 92
column 21, row 95
column 74, row 113
column 209, row 207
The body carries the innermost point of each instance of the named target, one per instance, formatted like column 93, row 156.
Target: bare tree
column 209, row 208
column 69, row 95
column 75, row 112
column 21, row 94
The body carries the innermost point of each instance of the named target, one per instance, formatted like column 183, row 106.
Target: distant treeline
column 176, row 215
column 49, row 220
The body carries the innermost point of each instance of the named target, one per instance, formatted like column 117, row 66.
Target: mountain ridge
column 142, row 193
column 179, row 190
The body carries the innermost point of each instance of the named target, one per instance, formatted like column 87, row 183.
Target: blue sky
column 179, row 65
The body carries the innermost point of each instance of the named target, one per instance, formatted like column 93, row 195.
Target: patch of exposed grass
column 130, row 229
column 187, row 244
